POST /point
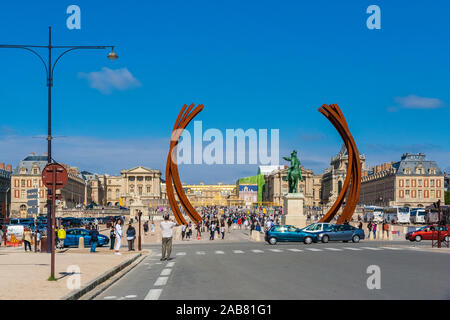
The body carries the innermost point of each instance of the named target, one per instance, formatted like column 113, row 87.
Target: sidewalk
column 23, row 275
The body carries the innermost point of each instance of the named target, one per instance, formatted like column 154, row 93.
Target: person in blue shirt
column 94, row 239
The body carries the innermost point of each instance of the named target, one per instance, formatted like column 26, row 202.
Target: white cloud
column 415, row 102
column 108, row 80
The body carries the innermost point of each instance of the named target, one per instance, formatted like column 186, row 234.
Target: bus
column 418, row 215
column 397, row 214
column 373, row 213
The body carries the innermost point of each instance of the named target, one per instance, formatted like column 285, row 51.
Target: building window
column 22, row 194
column 401, row 183
column 117, row 193
column 148, row 178
column 413, row 193
column 419, row 183
column 407, row 194
column 22, row 183
column 140, row 190
column 407, row 182
column 140, row 178
column 426, row 183
column 149, row 189
column 438, row 193
column 432, row 194
column 438, row 183
column 420, row 194
column 427, row 194
column 432, row 183
column 401, row 194
column 413, row 182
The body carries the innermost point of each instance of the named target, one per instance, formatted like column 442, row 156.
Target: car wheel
column 418, row 238
column 307, row 240
column 273, row 241
column 355, row 239
column 325, row 239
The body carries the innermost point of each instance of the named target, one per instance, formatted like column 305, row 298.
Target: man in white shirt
column 118, row 233
column 167, row 234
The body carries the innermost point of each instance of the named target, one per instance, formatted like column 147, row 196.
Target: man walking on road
column 167, row 234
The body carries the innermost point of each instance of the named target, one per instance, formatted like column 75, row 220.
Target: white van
column 418, row 216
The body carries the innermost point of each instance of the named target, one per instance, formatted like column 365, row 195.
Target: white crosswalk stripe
column 200, row 252
column 166, row 272
column 333, row 249
column 371, row 248
column 153, row 294
column 295, row 250
column 392, row 248
column 170, row 264
column 181, row 253
column 257, row 251
column 161, row 281
column 354, row 249
column 220, row 252
column 238, row 251
column 313, row 249
column 276, row 250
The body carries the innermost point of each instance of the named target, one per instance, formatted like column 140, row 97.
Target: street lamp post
column 139, row 240
column 49, row 69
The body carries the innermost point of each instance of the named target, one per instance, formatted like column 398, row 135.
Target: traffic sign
column 54, row 173
column 32, row 192
column 33, row 203
column 33, row 210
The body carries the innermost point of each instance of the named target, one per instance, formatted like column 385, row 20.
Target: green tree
column 447, row 197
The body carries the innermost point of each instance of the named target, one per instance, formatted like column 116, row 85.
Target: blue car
column 289, row 234
column 73, row 236
column 341, row 232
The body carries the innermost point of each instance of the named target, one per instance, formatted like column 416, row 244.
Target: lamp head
column 112, row 55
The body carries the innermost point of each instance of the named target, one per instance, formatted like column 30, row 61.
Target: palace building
column 412, row 182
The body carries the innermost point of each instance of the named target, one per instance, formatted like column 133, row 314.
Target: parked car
column 288, row 233
column 317, row 227
column 73, row 236
column 341, row 232
column 428, row 233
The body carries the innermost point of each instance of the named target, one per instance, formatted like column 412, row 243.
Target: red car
column 428, row 233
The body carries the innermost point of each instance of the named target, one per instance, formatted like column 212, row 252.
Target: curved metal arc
column 183, row 119
column 353, row 178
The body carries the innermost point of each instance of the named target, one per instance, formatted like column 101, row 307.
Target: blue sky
column 253, row 64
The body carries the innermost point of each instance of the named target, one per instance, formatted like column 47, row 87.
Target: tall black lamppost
column 49, row 69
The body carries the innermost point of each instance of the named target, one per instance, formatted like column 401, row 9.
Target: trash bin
column 44, row 244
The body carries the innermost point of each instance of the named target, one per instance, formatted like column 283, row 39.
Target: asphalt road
column 249, row 270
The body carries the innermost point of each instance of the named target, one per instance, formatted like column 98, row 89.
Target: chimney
column 9, row 168
column 2, row 165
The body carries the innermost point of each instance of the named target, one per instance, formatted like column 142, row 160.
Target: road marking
column 392, row 248
column 238, row 251
column 333, row 249
column 159, row 255
column 276, row 250
column 371, row 248
column 295, row 250
column 200, row 252
column 170, row 264
column 181, row 253
column 166, row 272
column 220, row 252
column 313, row 249
column 354, row 249
column 161, row 281
column 109, row 297
column 153, row 294
column 131, row 296
column 257, row 251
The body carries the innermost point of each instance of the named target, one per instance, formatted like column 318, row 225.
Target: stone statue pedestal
column 136, row 207
column 293, row 210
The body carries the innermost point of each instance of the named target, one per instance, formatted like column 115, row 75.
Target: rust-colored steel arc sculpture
column 172, row 176
column 352, row 183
